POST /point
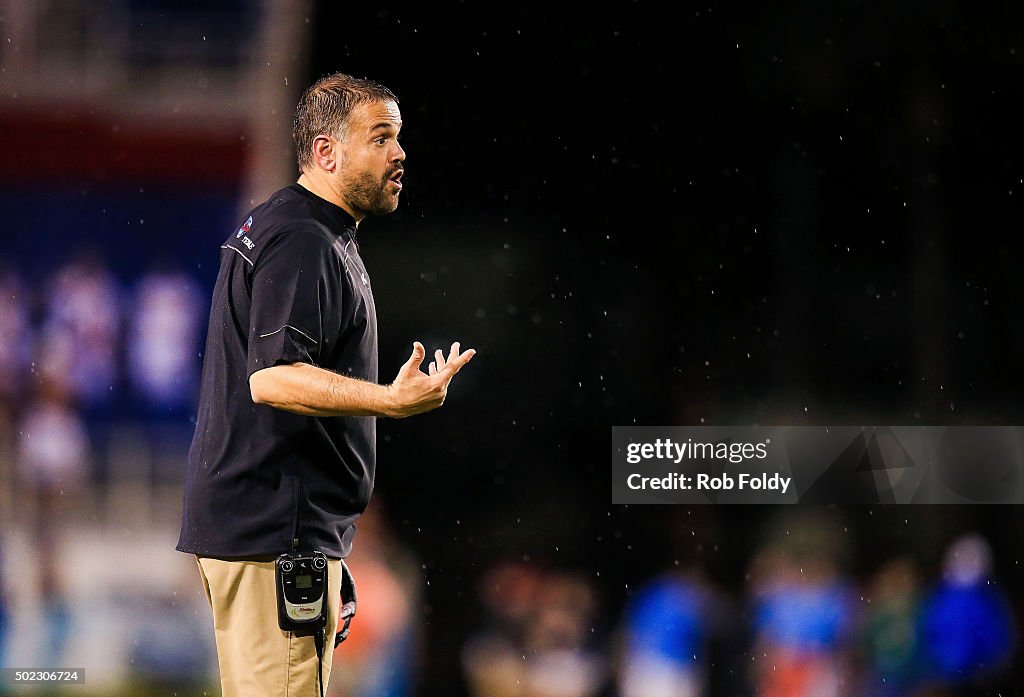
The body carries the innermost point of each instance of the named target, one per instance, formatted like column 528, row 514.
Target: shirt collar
column 339, row 214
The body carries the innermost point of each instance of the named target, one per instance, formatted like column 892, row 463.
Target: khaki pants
column 256, row 657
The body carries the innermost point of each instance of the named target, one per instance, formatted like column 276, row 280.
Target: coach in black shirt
column 284, row 450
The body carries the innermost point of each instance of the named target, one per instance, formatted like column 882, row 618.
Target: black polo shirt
column 291, row 288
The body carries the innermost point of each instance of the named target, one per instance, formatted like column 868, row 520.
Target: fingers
column 449, row 366
column 454, row 352
column 440, row 362
column 465, row 358
column 455, row 364
column 413, row 364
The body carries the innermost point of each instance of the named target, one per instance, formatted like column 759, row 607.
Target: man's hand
column 414, row 392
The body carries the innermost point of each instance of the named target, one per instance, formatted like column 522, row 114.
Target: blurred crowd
column 83, row 353
column 82, row 338
column 801, row 627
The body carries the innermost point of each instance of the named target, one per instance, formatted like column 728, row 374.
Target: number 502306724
column 60, row 675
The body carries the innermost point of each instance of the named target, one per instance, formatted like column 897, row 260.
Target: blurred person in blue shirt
column 803, row 618
column 165, row 332
column 80, row 336
column 668, row 625
column 967, row 622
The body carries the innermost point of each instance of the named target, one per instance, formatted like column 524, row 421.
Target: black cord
column 318, row 640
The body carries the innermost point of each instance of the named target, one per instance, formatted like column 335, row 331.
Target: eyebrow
column 387, row 125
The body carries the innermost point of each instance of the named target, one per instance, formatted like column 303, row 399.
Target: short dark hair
column 326, row 106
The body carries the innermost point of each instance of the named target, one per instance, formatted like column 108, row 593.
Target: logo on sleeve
column 240, row 235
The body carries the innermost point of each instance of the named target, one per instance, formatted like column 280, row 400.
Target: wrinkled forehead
column 371, row 115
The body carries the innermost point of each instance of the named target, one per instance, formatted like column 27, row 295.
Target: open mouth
column 396, row 178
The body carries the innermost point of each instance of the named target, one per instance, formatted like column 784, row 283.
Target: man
column 284, row 450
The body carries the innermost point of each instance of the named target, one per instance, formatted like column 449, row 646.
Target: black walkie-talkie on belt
column 301, row 591
column 301, row 599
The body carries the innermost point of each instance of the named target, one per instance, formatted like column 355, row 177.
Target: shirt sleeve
column 295, row 300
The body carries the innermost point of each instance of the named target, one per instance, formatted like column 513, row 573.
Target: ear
column 326, row 153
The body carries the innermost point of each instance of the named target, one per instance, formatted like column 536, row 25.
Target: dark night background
column 794, row 213
column 800, row 214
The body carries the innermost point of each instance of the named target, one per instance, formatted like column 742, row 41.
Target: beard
column 368, row 194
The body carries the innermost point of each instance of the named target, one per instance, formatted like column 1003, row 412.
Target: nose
column 398, row 154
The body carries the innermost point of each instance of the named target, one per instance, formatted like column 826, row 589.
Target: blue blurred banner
column 818, row 464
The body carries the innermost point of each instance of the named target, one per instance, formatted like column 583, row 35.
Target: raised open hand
column 415, row 392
